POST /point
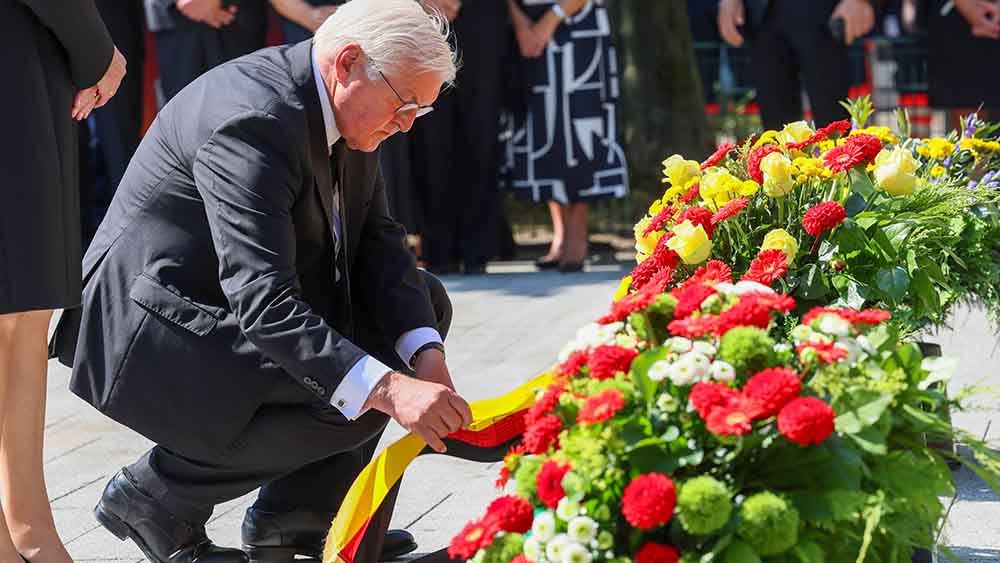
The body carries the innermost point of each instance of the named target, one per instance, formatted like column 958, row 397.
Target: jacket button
column 322, row 390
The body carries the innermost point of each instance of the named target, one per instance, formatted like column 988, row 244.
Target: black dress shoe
column 129, row 513
column 278, row 537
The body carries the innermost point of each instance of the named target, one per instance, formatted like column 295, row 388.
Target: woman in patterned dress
column 565, row 150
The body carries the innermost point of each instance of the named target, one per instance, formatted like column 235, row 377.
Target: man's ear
column 346, row 62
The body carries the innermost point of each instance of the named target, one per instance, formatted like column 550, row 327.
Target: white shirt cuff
column 412, row 340
column 349, row 397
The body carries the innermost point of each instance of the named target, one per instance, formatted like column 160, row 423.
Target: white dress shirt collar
column 332, row 133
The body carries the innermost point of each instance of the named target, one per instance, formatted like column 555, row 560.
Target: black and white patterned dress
column 566, row 147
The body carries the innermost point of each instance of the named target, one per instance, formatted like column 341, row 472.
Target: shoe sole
column 279, row 554
column 123, row 532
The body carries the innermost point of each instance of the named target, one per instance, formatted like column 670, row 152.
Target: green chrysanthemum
column 749, row 350
column 526, row 475
column 769, row 523
column 703, row 505
column 504, row 549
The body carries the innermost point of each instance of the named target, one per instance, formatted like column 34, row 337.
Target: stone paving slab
column 508, row 326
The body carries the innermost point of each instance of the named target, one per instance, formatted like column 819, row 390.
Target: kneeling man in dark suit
column 250, row 305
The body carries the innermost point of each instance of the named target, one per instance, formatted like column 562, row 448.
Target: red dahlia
column 706, row 397
column 549, row 482
column 753, row 161
column 767, row 267
column 606, row 361
column 718, row 155
column 844, row 157
column 689, row 298
column 476, row 535
column 870, row 145
column 511, row 513
column 692, row 193
column 543, row 434
column 828, row 352
column 665, row 216
column 715, row 272
column 806, row 420
column 656, row 553
column 663, row 257
column 769, row 390
column 601, row 407
column 693, row 327
column 550, row 398
column 872, row 317
column 698, row 216
column 649, row 501
column 574, row 363
column 729, row 421
column 823, row 217
column 730, row 210
column 747, row 312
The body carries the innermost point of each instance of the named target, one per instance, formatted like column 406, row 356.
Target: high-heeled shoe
column 571, row 267
column 543, row 264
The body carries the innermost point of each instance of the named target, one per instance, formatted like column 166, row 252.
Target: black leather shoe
column 278, row 537
column 129, row 513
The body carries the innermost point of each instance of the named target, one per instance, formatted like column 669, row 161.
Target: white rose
column 659, row 371
column 722, row 371
column 554, row 549
column 582, row 529
column 544, row 526
column 576, row 553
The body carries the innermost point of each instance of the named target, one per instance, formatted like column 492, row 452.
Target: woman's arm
column 529, row 42
column 303, row 13
column 546, row 25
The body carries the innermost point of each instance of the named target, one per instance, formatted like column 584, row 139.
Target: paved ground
column 508, row 326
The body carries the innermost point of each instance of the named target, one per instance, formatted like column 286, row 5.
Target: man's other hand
column 731, row 16
column 983, row 17
column 426, row 408
column 208, row 12
column 858, row 16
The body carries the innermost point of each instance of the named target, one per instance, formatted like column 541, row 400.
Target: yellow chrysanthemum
column 936, row 148
column 883, row 133
column 806, row 167
column 937, row 171
column 979, row 146
column 719, row 187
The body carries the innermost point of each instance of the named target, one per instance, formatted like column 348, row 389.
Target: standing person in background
column 455, row 150
column 65, row 65
column 301, row 18
column 193, row 36
column 791, row 42
column 565, row 150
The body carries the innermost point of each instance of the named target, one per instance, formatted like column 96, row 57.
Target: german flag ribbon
column 357, row 531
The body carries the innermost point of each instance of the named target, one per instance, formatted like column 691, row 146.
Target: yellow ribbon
column 381, row 475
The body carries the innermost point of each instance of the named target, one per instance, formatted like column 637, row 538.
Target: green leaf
column 931, row 268
column 852, row 294
column 861, row 183
column 883, row 244
column 638, row 322
column 813, row 284
column 866, row 220
column 897, row 233
column 926, row 292
column 640, row 371
column 740, row 552
column 893, row 281
column 854, row 205
column 871, row 441
column 850, row 237
column 867, row 414
column 834, row 505
column 652, row 459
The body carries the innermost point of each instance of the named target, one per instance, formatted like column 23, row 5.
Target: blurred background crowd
column 530, row 147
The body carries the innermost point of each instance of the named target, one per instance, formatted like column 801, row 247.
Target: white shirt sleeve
column 411, row 341
column 350, row 396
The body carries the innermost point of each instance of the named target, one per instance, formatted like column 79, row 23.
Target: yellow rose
column 623, row 287
column 894, row 171
column 779, row 239
column 644, row 245
column 691, row 243
column 778, row 174
column 679, row 171
column 795, row 132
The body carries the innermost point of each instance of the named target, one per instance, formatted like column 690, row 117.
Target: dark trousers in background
column 793, row 46
column 191, row 48
column 456, row 151
column 302, row 454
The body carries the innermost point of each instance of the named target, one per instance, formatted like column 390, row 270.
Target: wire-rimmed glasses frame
column 406, row 106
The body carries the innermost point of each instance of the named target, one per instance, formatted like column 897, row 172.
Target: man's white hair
column 399, row 37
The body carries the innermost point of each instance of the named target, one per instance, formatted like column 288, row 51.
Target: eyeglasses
column 405, row 106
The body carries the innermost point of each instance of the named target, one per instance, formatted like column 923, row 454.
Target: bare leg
column 576, row 237
column 7, row 323
column 26, row 507
column 558, row 247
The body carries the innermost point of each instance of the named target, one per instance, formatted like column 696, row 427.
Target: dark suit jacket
column 211, row 280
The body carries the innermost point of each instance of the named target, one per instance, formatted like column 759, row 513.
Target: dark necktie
column 336, row 220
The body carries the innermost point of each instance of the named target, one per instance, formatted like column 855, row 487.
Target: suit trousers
column 793, row 45
column 191, row 48
column 303, row 455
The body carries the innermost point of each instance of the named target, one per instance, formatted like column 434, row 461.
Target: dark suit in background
column 49, row 50
column 185, row 49
column 791, row 45
column 113, row 130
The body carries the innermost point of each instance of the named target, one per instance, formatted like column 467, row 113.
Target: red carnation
column 706, row 397
column 639, row 300
column 662, row 258
column 476, row 535
column 601, row 407
column 649, row 501
column 549, row 482
column 730, row 210
column 729, row 421
column 828, row 352
column 689, row 298
column 511, row 513
column 504, row 476
column 605, row 361
column 662, row 218
column 872, row 316
column 769, row 390
column 574, row 363
column 692, row 193
column 823, row 217
column 843, row 157
column 767, row 267
column 806, row 420
column 693, row 327
column 712, row 273
column 842, row 126
column 747, row 312
column 550, row 398
column 870, row 145
column 543, row 434
column 753, row 161
column 656, row 553
column 698, row 216
column 718, row 155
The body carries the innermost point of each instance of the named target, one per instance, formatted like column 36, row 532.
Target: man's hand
column 88, row 99
column 983, row 17
column 318, row 15
column 428, row 409
column 208, row 12
column 731, row 16
column 449, row 8
column 858, row 16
